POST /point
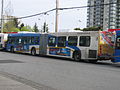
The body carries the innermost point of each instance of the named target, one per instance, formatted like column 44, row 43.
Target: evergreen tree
column 45, row 27
column 93, row 29
column 77, row 29
column 35, row 28
column 16, row 22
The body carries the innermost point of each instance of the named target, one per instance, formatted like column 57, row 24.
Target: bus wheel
column 12, row 49
column 77, row 56
column 33, row 51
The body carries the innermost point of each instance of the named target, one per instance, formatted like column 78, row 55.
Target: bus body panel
column 106, row 45
column 90, row 52
column 116, row 56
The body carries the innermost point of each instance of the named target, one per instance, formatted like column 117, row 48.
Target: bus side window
column 61, row 41
column 12, row 40
column 32, row 40
column 9, row 40
column 118, row 43
column 72, row 40
column 52, row 41
column 29, row 40
column 19, row 41
column 25, row 40
column 37, row 40
column 84, row 41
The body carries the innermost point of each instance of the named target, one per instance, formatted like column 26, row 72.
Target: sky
column 68, row 19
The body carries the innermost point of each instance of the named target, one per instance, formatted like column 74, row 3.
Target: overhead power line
column 86, row 6
column 29, row 16
column 37, row 14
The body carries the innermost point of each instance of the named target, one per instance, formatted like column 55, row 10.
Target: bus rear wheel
column 33, row 51
column 77, row 56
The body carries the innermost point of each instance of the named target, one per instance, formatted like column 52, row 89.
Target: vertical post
column 2, row 16
column 56, row 21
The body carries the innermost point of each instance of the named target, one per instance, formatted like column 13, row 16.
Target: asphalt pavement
column 10, row 84
column 46, row 73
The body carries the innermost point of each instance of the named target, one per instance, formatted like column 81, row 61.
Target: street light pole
column 2, row 16
column 56, row 21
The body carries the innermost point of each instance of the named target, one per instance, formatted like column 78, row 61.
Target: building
column 104, row 14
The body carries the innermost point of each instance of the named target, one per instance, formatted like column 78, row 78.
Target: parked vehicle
column 87, row 45
column 116, row 55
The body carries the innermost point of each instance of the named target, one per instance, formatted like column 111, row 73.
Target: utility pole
column 56, row 21
column 2, row 16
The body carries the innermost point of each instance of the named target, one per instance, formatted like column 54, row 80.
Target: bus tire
column 12, row 49
column 77, row 56
column 33, row 51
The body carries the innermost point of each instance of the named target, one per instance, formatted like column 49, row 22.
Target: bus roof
column 75, row 33
column 24, row 34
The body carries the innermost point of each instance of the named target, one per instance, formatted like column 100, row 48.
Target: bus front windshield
column 118, row 42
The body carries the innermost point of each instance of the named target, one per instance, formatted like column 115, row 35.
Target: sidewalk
column 9, row 84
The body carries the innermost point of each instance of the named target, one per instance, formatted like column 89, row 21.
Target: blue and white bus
column 23, row 42
column 116, row 56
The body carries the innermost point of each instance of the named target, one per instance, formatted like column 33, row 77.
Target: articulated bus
column 88, row 45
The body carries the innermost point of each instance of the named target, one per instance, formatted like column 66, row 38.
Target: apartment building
column 104, row 13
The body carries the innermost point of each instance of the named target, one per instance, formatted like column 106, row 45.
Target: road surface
column 47, row 73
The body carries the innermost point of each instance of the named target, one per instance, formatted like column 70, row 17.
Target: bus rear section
column 76, row 45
